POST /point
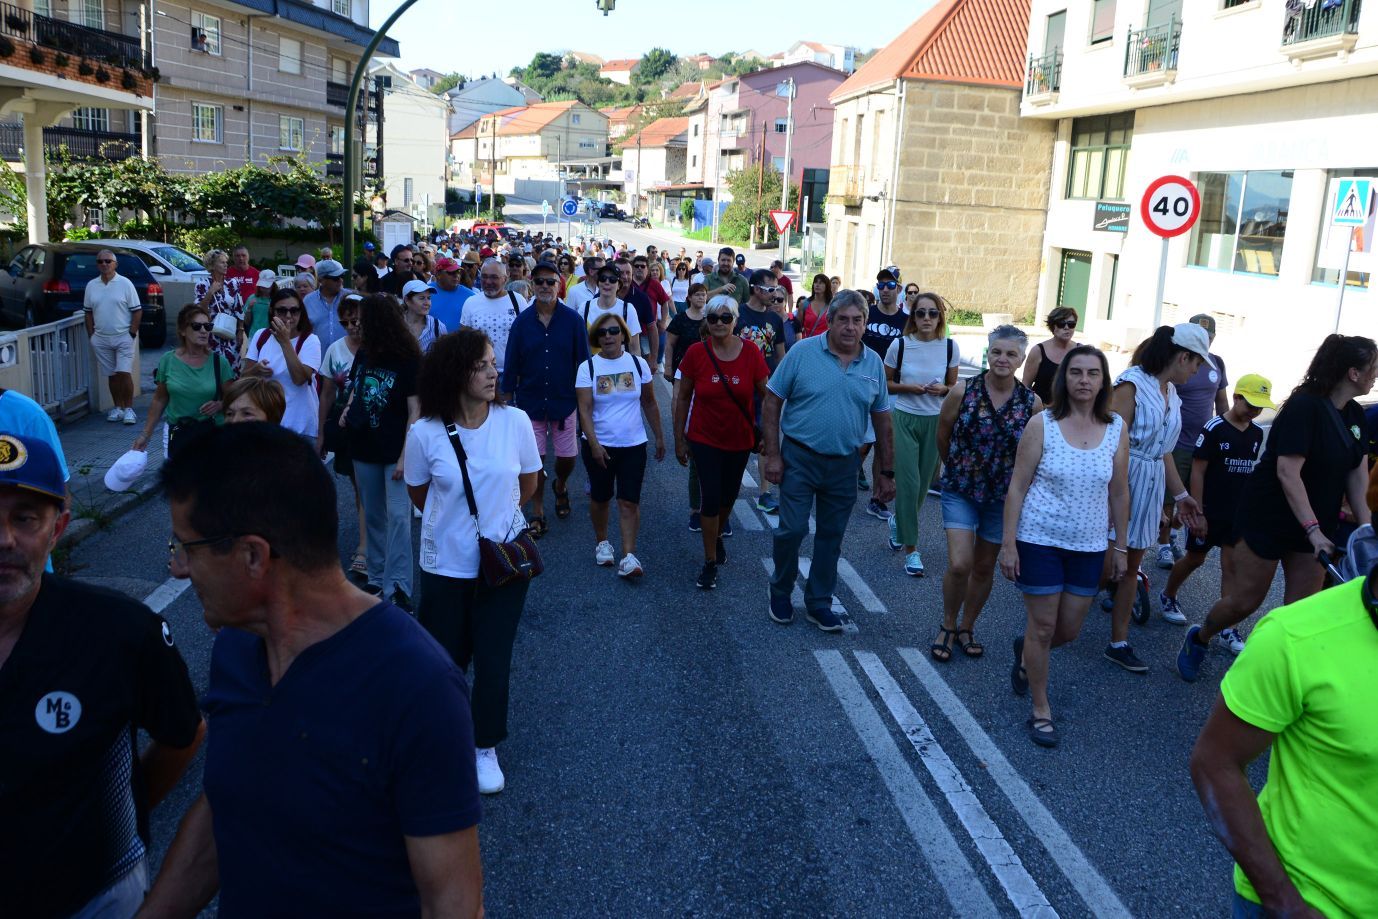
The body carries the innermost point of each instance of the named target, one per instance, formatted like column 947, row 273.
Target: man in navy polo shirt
column 340, row 772
column 80, row 670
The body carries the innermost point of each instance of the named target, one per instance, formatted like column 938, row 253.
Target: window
column 1243, row 221
column 408, row 190
column 87, row 13
column 1231, row 4
column 43, row 7
column 291, row 132
column 205, row 33
column 1100, row 156
column 337, row 145
column 696, row 130
column 1053, row 32
column 1330, row 249
column 781, row 125
column 339, row 70
column 91, row 119
column 777, row 163
column 289, row 55
column 206, row 123
column 573, row 117
column 340, row 7
column 1102, row 21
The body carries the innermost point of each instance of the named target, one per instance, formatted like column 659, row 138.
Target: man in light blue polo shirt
column 827, row 387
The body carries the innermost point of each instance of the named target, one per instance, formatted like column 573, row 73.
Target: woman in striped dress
column 1146, row 399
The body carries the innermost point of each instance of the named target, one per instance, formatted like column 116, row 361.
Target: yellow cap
column 1255, row 390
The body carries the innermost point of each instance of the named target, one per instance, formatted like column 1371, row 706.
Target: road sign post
column 1353, row 197
column 1170, row 207
column 569, row 208
column 782, row 220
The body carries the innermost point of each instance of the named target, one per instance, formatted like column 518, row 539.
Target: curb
column 83, row 528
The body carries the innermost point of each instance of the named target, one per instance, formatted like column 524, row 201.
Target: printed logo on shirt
column 734, row 379
column 57, row 712
column 762, row 336
column 167, row 635
column 1214, row 377
column 609, row 383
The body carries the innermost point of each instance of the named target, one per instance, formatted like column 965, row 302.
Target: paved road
column 673, row 752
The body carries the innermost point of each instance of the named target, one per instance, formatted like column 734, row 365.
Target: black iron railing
column 78, row 41
column 1045, row 74
column 1152, row 49
column 334, row 164
column 336, row 94
column 1325, row 19
column 81, row 143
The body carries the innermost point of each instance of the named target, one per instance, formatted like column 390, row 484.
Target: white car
column 175, row 269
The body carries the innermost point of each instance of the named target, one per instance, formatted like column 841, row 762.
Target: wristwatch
column 888, row 473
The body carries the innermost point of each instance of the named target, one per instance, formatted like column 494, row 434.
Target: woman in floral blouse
column 215, row 297
column 978, row 433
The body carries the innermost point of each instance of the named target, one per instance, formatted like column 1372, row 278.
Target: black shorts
column 1219, row 532
column 625, row 469
column 720, row 476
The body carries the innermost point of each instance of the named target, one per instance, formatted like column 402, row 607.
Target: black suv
column 47, row 282
column 607, row 210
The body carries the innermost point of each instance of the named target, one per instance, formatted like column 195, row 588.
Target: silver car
column 176, row 269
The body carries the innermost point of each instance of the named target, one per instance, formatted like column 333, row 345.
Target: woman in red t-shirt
column 719, row 380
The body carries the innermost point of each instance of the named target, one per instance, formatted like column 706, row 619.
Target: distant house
column 620, row 120
column 476, row 98
column 582, row 57
column 619, row 71
column 525, row 142
column 425, row 77
column 690, row 91
column 653, row 159
column 932, row 168
column 464, row 157
column 529, row 94
column 414, row 146
column 838, row 57
column 702, row 61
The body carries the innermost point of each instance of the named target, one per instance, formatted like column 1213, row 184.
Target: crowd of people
column 439, row 380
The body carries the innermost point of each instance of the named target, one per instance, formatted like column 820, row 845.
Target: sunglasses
column 912, row 292
column 609, row 330
column 105, row 261
column 887, row 285
column 609, row 279
column 777, row 299
column 927, row 314
column 723, row 318
column 199, row 326
column 286, row 310
column 350, row 323
column 545, row 282
column 1070, row 324
column 767, row 290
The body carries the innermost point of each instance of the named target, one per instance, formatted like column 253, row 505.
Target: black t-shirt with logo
column 90, row 667
column 1231, row 455
column 377, row 414
column 881, row 329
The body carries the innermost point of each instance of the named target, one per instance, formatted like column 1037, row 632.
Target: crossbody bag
column 500, row 563
column 758, row 437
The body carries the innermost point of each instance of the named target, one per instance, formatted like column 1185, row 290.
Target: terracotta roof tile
column 626, row 63
column 528, row 119
column 957, row 41
column 658, row 133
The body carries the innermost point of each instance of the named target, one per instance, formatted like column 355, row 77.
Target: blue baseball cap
column 31, row 464
column 368, row 247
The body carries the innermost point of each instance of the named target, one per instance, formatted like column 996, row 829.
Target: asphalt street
column 674, row 752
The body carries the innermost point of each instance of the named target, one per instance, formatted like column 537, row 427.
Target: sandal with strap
column 942, row 648
column 971, row 647
column 358, row 569
column 537, row 527
column 1042, row 731
column 562, row 509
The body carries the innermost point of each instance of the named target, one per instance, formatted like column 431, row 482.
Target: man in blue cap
column 81, row 669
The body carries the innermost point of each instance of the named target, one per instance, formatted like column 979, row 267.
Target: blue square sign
column 1352, row 200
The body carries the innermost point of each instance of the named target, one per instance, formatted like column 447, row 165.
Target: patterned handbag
column 500, row 563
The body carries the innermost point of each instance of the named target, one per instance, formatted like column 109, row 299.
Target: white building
column 1264, row 110
column 838, row 57
column 415, row 146
column 471, row 100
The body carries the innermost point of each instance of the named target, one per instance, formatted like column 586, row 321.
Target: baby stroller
column 1359, row 556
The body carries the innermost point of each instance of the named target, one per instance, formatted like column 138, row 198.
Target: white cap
column 1195, row 339
column 266, row 278
column 414, row 287
column 126, row 471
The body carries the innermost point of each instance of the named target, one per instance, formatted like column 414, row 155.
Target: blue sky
column 497, row 37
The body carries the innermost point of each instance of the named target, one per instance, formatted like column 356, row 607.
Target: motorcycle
column 640, row 222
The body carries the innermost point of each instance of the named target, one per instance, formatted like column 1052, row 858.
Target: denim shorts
column 962, row 513
column 1048, row 570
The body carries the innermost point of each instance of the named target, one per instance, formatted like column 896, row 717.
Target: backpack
column 263, row 337
column 899, row 358
column 516, row 310
column 625, row 307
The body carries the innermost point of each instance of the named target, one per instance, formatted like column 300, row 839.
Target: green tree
column 745, row 211
column 654, row 65
column 448, row 82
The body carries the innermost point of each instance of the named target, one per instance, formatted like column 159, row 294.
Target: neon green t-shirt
column 1310, row 675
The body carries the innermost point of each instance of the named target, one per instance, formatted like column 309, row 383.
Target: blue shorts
column 1048, row 570
column 962, row 513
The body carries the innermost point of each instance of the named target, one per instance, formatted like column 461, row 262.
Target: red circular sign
column 1170, row 206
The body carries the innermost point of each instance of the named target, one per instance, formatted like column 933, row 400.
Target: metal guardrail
column 79, row 41
column 1044, row 74
column 1152, row 49
column 1324, row 19
column 59, row 364
column 81, row 143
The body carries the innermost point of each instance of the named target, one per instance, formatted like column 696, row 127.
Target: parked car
column 46, row 283
column 175, row 269
column 609, row 210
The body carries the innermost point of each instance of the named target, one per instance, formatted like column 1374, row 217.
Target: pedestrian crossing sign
column 1352, row 200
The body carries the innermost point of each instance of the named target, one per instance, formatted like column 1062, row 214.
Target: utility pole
column 717, row 175
column 493, row 166
column 760, row 185
column 636, row 187
column 785, row 172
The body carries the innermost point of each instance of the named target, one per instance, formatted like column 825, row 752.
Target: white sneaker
column 1231, row 639
column 603, row 554
column 129, row 417
column 115, row 414
column 1165, row 557
column 630, row 567
column 490, row 777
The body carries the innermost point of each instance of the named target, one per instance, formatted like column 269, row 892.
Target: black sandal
column 942, row 648
column 537, row 527
column 1042, row 731
column 971, row 647
column 561, row 501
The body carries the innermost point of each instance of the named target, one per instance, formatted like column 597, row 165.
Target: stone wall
column 972, row 196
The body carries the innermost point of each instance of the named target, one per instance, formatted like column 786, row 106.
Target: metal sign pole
column 1344, row 278
column 1162, row 286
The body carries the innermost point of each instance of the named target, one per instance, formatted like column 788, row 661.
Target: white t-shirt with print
column 924, row 362
column 498, row 451
column 494, row 317
column 595, row 312
column 337, row 361
column 617, row 417
column 303, row 403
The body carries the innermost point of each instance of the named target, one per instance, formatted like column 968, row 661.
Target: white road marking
column 1028, row 899
column 956, row 877
column 165, row 593
column 858, row 586
column 848, row 625
column 747, row 480
column 746, row 515
column 1088, row 882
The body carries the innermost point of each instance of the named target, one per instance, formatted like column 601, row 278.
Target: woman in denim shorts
column 1070, row 477
column 978, row 433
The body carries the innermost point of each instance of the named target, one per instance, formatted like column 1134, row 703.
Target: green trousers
column 916, row 456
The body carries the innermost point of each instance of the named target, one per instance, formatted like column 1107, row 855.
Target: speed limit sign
column 1170, row 206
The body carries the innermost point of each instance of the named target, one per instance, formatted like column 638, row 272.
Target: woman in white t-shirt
column 476, row 623
column 921, row 366
column 289, row 353
column 614, row 392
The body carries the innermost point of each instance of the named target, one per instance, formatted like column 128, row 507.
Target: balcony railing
column 78, row 41
column 1325, row 19
column 336, row 94
column 80, row 142
column 334, row 164
column 1044, row 75
column 1152, row 50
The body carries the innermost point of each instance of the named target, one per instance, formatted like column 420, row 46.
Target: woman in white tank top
column 1070, row 478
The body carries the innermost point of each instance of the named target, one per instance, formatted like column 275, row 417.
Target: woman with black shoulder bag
column 191, row 382
column 471, row 463
column 714, row 423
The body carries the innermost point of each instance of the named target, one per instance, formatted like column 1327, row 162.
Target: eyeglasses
column 176, row 549
column 766, row 289
column 609, row 279
column 1069, row 324
column 927, row 314
column 199, row 326
column 723, row 318
column 105, row 261
column 886, row 285
column 286, row 310
column 545, row 281
column 609, row 330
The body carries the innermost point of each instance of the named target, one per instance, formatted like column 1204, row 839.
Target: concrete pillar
column 35, row 178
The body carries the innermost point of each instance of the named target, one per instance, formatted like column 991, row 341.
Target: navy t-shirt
column 1232, row 455
column 315, row 782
